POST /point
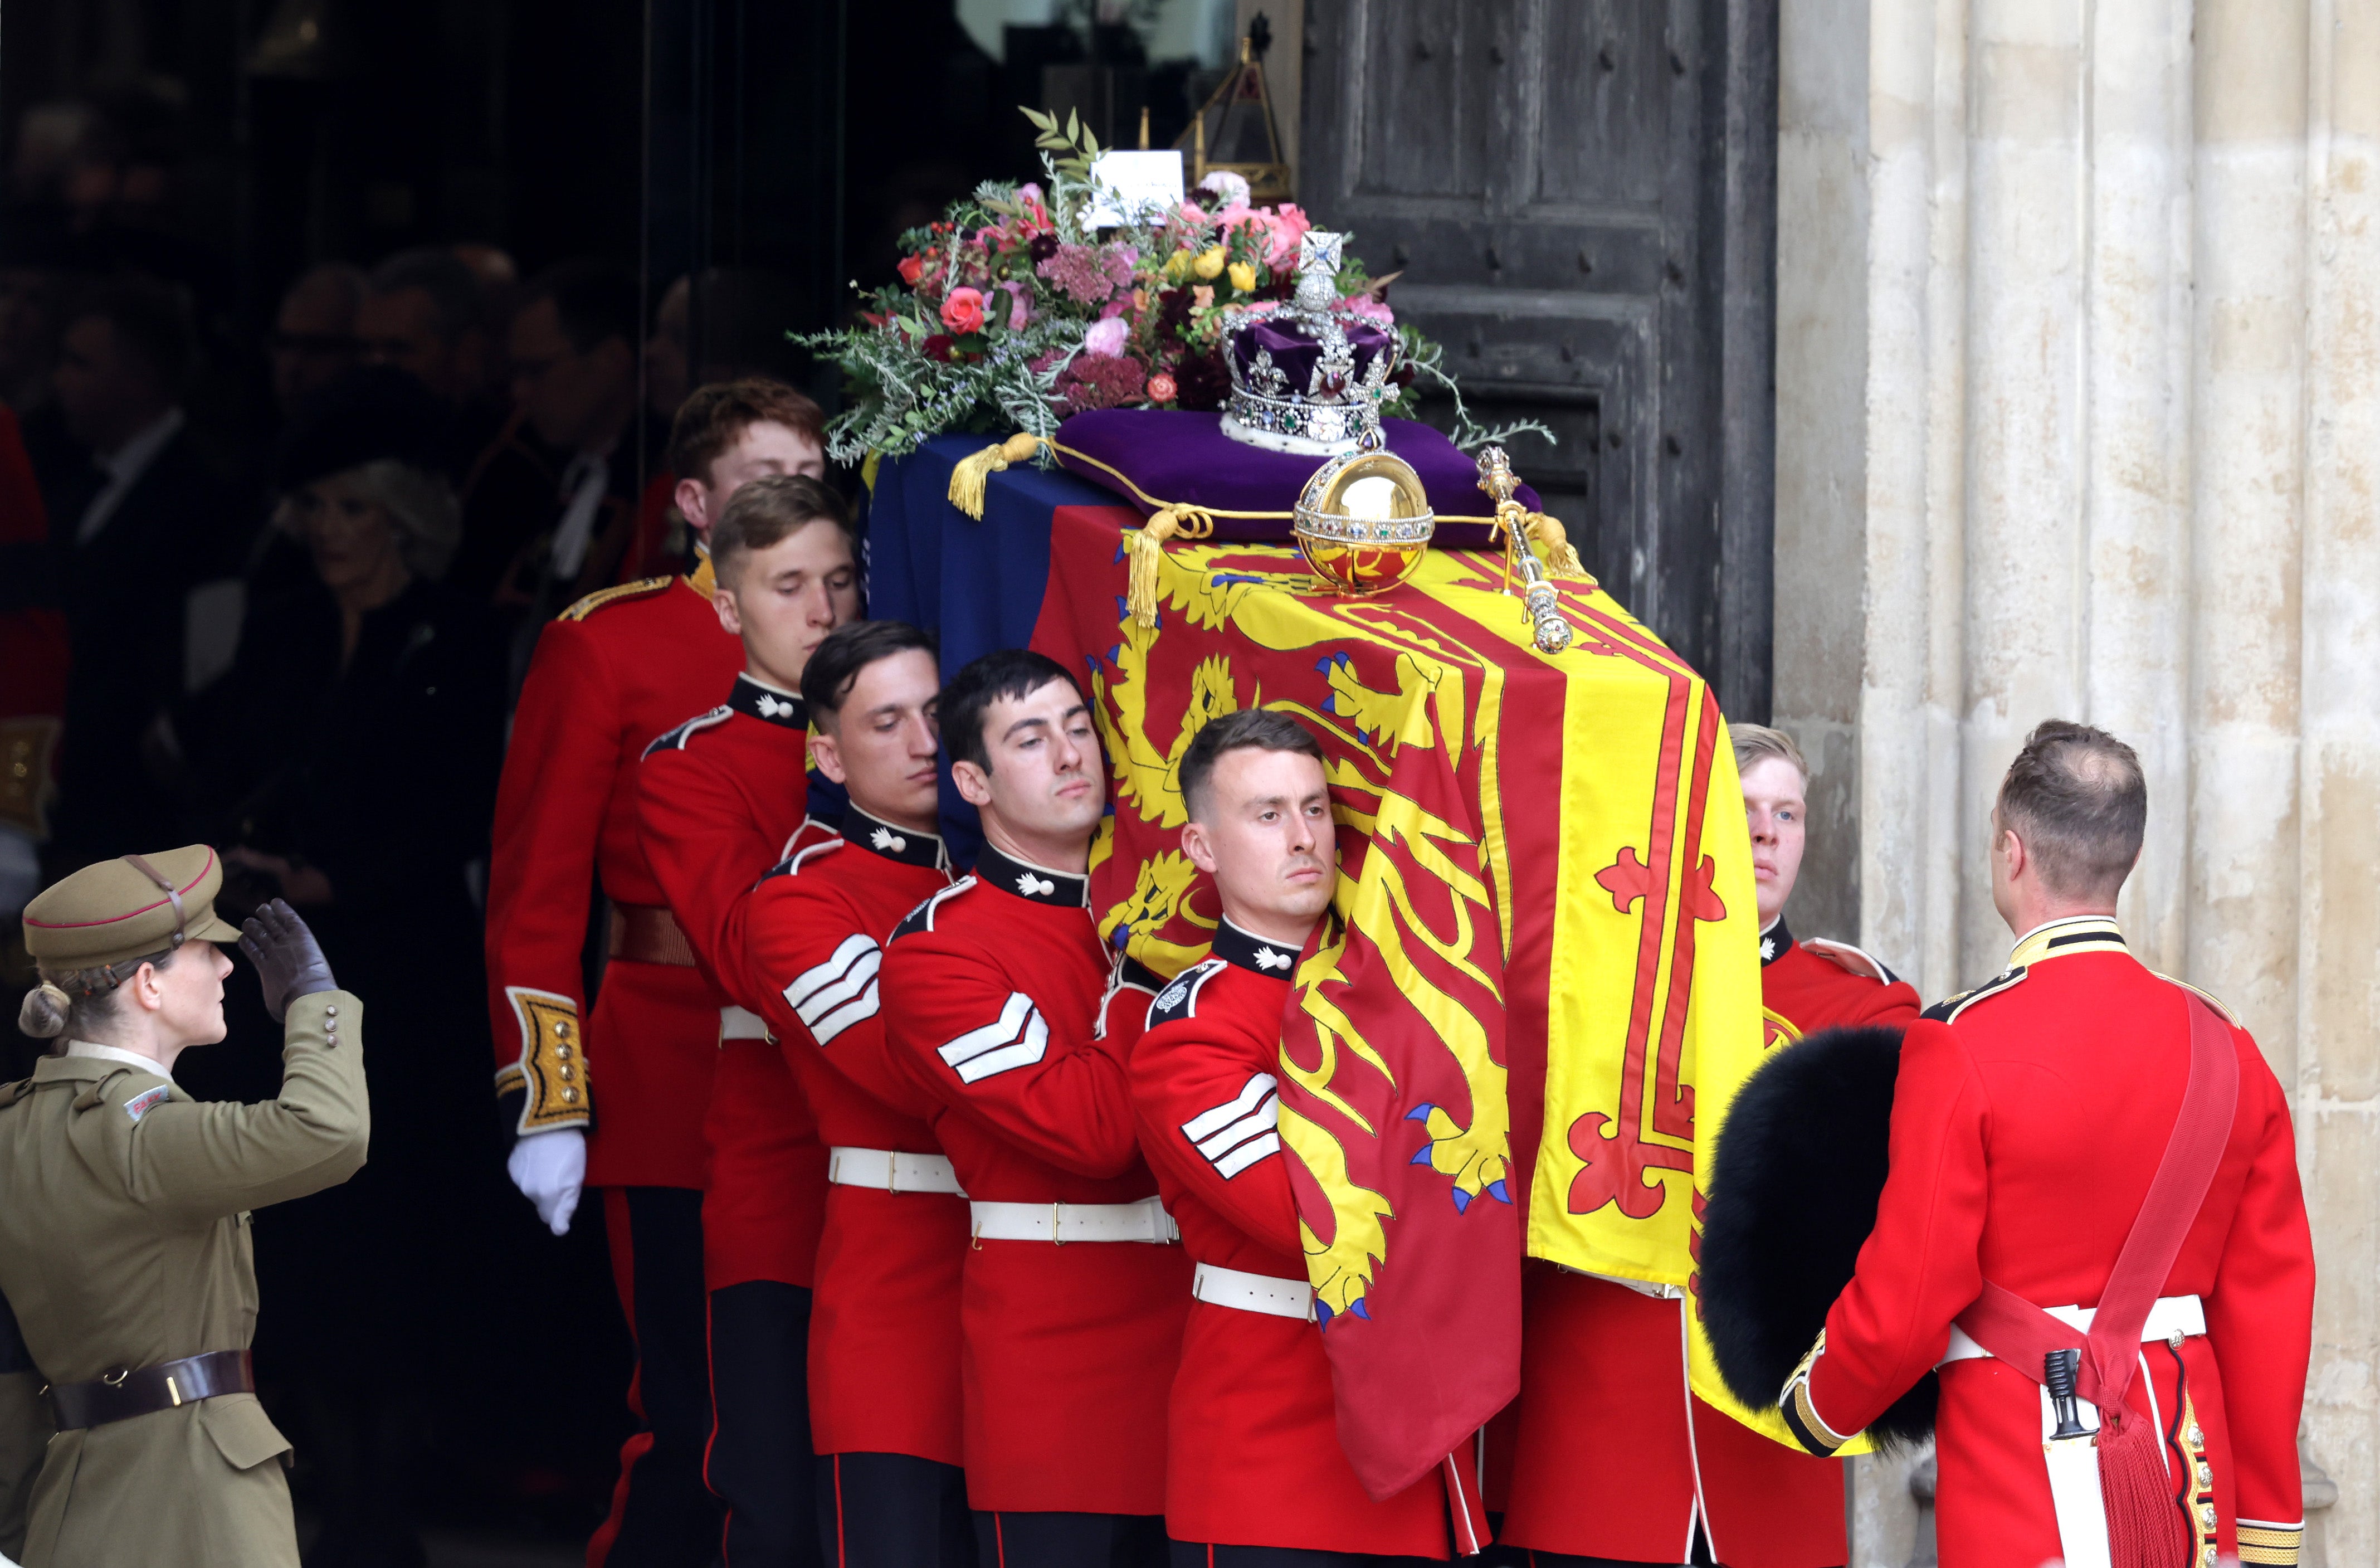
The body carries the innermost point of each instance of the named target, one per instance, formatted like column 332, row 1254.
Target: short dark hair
column 765, row 511
column 153, row 320
column 594, row 301
column 2076, row 797
column 1250, row 729
column 1004, row 677
column 453, row 288
column 849, row 649
column 712, row 419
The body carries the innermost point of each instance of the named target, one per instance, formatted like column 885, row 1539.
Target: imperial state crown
column 1309, row 376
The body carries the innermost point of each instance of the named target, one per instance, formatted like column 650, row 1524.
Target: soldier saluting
column 124, row 1244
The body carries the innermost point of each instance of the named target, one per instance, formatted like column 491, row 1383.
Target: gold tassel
column 1147, row 549
column 1561, row 560
column 970, row 475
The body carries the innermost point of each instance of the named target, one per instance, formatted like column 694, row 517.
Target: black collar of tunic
column 1036, row 883
column 766, row 703
column 1775, row 943
column 1271, row 959
column 906, row 845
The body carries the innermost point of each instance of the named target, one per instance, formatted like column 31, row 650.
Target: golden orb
column 1363, row 520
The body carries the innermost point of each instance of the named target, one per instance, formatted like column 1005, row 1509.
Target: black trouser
column 1193, row 1555
column 1069, row 1541
column 893, row 1511
column 662, row 1515
column 759, row 1460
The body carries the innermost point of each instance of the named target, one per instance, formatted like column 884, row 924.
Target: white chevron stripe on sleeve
column 1236, row 1134
column 1017, row 1038
column 1198, row 1128
column 1247, row 1154
column 839, row 992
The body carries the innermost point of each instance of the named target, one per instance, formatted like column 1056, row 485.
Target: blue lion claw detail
column 1421, row 1156
column 1420, row 1112
column 1360, row 1311
column 1496, row 1190
column 1322, row 1314
column 1461, row 1201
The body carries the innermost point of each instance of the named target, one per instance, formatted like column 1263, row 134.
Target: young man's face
column 765, row 447
column 1047, row 779
column 1773, row 810
column 787, row 599
column 880, row 743
column 1264, row 832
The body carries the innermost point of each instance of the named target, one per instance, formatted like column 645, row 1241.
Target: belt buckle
column 115, row 1380
column 892, row 1172
column 1057, row 1223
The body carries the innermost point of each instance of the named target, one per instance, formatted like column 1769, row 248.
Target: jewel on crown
column 1309, row 377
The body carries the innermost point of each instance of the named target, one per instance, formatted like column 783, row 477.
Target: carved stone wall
column 2079, row 415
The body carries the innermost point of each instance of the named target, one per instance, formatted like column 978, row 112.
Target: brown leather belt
column 648, row 933
column 121, row 1395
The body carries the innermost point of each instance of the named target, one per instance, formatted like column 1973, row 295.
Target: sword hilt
column 2057, row 1370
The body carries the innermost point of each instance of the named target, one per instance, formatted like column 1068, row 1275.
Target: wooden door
column 1581, row 197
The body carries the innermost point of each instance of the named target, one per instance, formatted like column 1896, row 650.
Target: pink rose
column 911, row 269
column 962, row 311
column 1160, row 388
column 1105, row 339
column 1371, row 310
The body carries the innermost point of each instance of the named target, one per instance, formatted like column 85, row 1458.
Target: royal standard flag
column 1543, row 939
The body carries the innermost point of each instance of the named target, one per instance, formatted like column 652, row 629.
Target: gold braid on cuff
column 1800, row 1416
column 552, row 1066
column 2276, row 1544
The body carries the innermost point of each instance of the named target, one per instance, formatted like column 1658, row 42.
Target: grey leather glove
column 289, row 962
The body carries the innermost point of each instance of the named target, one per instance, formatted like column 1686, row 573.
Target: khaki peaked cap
column 111, row 911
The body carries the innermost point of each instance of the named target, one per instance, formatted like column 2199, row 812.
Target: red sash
column 2141, row 1515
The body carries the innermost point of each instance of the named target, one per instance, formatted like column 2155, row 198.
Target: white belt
column 2183, row 1315
column 1061, row 1222
column 736, row 1023
column 1253, row 1293
column 891, row 1169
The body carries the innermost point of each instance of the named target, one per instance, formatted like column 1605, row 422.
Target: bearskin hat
column 1800, row 1165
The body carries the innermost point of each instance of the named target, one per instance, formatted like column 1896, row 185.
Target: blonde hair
column 1756, row 743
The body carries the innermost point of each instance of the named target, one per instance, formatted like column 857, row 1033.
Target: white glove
column 549, row 1168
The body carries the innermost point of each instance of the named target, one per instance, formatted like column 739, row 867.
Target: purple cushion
column 1155, row 458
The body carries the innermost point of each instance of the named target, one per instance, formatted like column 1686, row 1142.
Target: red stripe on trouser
column 624, row 1283
column 999, row 1541
column 711, row 1359
column 840, row 1557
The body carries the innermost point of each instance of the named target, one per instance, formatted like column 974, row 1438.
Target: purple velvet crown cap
column 1294, row 351
column 1154, row 457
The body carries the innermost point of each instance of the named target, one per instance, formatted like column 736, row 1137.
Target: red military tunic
column 720, row 799
column 2027, row 1120
column 997, row 1004
column 1654, row 1463
column 885, row 1313
column 616, row 669
column 1253, row 1455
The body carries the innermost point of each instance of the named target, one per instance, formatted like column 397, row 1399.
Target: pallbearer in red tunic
column 2029, row 1118
column 617, row 669
column 1254, row 1473
column 1668, row 1471
column 722, row 799
column 884, row 1319
column 1003, row 1008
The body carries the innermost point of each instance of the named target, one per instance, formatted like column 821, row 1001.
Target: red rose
column 911, row 269
column 1160, row 388
column 962, row 311
column 938, row 346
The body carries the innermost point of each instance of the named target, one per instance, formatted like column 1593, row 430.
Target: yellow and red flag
column 1544, row 937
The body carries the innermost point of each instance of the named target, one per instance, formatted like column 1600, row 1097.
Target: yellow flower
column 1244, row 277
column 1209, row 262
column 1177, row 266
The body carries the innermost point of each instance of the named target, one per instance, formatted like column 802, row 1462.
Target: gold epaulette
column 2207, row 997
column 1949, row 1007
column 602, row 596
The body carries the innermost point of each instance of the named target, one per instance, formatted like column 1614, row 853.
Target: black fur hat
column 1793, row 1190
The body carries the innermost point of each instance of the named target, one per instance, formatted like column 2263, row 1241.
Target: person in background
column 572, row 353
column 426, row 315
column 614, row 671
column 350, row 757
column 314, row 333
column 1682, row 1472
column 131, row 536
column 1255, row 1475
column 722, row 799
column 33, row 677
column 884, row 1321
column 1006, row 1009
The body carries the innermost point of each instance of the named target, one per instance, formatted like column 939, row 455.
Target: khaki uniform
column 124, row 1243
